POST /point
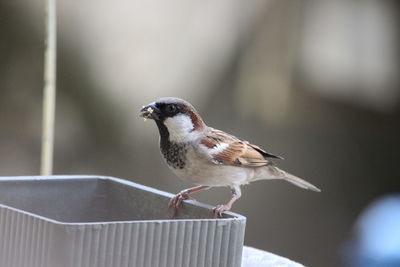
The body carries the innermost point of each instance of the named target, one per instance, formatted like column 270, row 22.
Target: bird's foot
column 176, row 201
column 218, row 210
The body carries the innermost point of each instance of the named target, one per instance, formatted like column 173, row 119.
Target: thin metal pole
column 49, row 95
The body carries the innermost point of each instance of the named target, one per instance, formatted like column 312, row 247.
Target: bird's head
column 174, row 115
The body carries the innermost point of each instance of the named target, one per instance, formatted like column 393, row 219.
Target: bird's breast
column 174, row 154
column 200, row 170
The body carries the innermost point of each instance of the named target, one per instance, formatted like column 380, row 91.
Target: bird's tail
column 300, row 182
column 272, row 172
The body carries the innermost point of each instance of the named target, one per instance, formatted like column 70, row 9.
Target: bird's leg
column 219, row 209
column 176, row 201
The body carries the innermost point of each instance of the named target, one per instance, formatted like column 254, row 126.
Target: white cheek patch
column 179, row 127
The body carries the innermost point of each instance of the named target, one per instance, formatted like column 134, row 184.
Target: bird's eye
column 171, row 108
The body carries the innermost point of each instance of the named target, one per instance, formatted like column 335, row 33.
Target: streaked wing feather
column 237, row 152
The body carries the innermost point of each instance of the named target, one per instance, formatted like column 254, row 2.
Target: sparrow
column 208, row 157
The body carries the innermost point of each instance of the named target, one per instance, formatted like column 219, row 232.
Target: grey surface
column 103, row 221
column 253, row 257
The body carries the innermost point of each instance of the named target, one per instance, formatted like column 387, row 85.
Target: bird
column 208, row 157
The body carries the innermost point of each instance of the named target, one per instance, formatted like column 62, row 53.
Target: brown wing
column 230, row 150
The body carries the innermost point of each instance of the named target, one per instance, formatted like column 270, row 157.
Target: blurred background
column 316, row 82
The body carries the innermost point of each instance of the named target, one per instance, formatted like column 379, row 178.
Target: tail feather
column 300, row 182
column 272, row 172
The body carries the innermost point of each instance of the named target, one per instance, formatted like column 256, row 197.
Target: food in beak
column 145, row 113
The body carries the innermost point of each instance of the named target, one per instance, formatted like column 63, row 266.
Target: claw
column 176, row 201
column 218, row 210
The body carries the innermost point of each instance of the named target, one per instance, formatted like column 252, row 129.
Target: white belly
column 200, row 170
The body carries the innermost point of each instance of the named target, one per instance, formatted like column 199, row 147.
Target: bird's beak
column 150, row 111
